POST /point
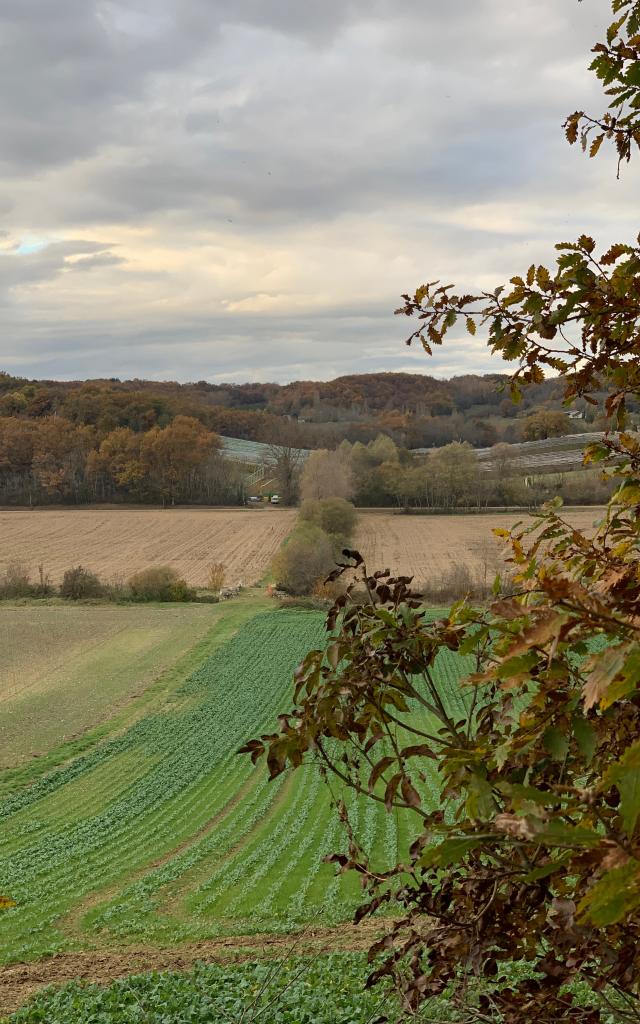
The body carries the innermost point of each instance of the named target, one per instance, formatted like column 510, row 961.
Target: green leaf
column 548, row 869
column 629, row 494
column 625, row 774
column 614, row 896
column 521, row 796
column 514, row 668
column 627, row 681
column 543, row 277
column 451, row 851
column 585, row 737
column 633, row 74
column 596, row 453
column 556, row 833
column 556, row 743
column 480, row 801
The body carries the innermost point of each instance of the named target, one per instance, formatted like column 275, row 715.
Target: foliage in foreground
column 533, row 853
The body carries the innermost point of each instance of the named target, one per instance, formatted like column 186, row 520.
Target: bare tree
column 326, row 475
column 285, row 458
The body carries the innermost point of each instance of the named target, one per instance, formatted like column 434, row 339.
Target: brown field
column 119, row 542
column 428, row 547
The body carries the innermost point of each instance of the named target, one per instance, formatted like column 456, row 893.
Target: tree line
column 413, row 409
column 52, row 459
column 381, row 474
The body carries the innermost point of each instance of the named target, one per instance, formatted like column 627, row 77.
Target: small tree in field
column 335, row 516
column 16, row 581
column 544, row 424
column 306, row 558
column 532, row 851
column 326, row 475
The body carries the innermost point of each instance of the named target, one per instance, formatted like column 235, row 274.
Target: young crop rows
column 164, row 833
column 320, row 989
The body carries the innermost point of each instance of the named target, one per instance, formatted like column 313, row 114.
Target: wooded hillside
column 156, row 441
column 414, row 409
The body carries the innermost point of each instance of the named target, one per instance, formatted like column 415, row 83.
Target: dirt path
column 20, row 981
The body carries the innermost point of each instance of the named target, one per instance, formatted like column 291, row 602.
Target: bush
column 305, row 559
column 78, row 583
column 159, row 583
column 44, row 587
column 215, row 579
column 16, row 581
column 117, row 589
column 335, row 516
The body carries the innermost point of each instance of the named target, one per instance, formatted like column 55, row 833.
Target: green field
column 156, row 831
column 65, row 669
column 323, row 990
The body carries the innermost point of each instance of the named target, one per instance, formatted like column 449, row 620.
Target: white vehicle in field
column 275, row 499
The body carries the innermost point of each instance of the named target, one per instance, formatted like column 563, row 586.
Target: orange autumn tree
column 532, row 853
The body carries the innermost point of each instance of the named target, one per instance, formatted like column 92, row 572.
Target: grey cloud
column 101, row 259
column 257, row 126
column 23, row 269
column 221, row 349
column 270, row 125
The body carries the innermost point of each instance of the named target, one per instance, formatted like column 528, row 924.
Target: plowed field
column 428, row 547
column 119, row 542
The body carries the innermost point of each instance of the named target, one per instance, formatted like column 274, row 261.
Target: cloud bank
column 242, row 190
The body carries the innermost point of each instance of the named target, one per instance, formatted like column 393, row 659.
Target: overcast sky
column 242, row 189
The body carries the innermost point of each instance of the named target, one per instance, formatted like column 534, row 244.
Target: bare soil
column 115, row 543
column 429, row 547
column 18, row 982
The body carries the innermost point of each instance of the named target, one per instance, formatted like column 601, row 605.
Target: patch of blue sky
column 30, row 244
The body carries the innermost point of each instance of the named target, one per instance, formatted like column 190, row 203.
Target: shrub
column 333, row 515
column 117, row 589
column 78, row 583
column 305, row 559
column 216, row 577
column 453, row 585
column 16, row 581
column 44, row 586
column 159, row 583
